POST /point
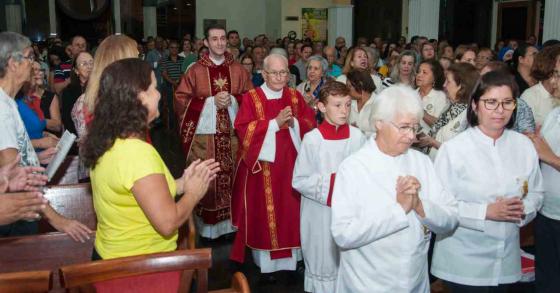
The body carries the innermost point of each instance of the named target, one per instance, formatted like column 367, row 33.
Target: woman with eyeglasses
column 460, row 80
column 544, row 96
column 247, row 62
column 82, row 68
column 493, row 172
column 317, row 68
column 45, row 103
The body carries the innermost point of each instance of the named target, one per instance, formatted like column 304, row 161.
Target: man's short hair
column 272, row 56
column 332, row 88
column 214, row 26
column 231, row 33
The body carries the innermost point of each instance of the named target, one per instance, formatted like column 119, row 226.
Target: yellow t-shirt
column 122, row 227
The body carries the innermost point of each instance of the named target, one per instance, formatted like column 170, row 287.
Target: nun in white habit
column 387, row 200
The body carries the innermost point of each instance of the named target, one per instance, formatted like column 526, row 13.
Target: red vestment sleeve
column 246, row 85
column 185, row 93
column 251, row 131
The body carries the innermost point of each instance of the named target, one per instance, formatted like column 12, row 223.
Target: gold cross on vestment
column 221, row 83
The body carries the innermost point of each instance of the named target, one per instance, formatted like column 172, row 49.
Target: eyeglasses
column 282, row 73
column 405, row 129
column 86, row 63
column 493, row 104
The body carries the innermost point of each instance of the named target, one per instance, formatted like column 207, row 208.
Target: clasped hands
column 222, row 100
column 285, row 116
column 506, row 210
column 408, row 188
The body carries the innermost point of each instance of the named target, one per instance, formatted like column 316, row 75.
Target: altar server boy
column 321, row 152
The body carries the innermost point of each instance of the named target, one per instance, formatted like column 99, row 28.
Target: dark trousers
column 547, row 254
column 19, row 228
column 459, row 288
column 95, row 255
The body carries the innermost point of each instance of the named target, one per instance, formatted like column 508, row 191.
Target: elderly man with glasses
column 386, row 202
column 271, row 121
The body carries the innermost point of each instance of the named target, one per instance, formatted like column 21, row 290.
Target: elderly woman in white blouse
column 317, row 68
column 429, row 81
column 547, row 224
column 494, row 174
column 386, row 200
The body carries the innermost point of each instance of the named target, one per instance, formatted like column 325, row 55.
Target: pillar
column 423, row 18
column 117, row 16
column 52, row 18
column 551, row 26
column 13, row 17
column 341, row 23
column 150, row 18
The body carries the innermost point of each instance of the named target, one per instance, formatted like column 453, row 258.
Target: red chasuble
column 202, row 80
column 265, row 208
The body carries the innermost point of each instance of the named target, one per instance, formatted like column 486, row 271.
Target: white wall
column 293, row 8
column 254, row 17
column 248, row 17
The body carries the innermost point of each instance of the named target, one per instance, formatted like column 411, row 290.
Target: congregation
column 375, row 167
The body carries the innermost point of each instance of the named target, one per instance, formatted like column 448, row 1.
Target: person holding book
column 16, row 57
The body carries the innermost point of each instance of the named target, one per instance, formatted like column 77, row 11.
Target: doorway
column 516, row 20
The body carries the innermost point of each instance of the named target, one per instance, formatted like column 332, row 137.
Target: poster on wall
column 314, row 23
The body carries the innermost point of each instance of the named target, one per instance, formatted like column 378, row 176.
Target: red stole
column 265, row 208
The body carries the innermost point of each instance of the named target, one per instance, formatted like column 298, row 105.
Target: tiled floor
column 222, row 269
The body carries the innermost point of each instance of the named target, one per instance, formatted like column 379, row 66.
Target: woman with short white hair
column 386, row 200
column 317, row 68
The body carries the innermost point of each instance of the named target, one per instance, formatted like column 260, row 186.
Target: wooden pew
column 199, row 260
column 72, row 201
column 30, row 282
column 51, row 250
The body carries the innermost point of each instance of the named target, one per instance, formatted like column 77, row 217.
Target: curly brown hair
column 118, row 113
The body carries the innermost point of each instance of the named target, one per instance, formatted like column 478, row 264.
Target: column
column 13, row 16
column 341, row 23
column 150, row 18
column 551, row 26
column 423, row 18
column 117, row 16
column 52, row 18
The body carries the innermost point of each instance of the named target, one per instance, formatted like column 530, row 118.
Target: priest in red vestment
column 206, row 102
column 270, row 124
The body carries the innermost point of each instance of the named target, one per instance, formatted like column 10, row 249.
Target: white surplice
column 319, row 157
column 383, row 249
column 476, row 170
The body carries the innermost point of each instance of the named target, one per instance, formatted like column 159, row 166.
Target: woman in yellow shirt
column 133, row 191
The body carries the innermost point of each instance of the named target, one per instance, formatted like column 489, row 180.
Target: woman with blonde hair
column 357, row 58
column 404, row 71
column 111, row 49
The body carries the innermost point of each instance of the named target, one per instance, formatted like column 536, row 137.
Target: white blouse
column 551, row 177
column 477, row 170
column 362, row 119
column 540, row 101
column 434, row 103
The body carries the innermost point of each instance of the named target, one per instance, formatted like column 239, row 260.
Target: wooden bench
column 29, row 282
column 76, row 202
column 51, row 250
column 129, row 271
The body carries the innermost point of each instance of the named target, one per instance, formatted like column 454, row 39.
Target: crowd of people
column 366, row 162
